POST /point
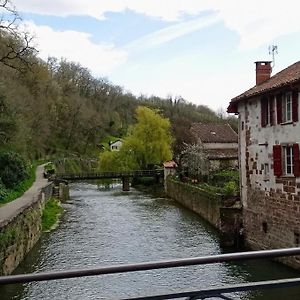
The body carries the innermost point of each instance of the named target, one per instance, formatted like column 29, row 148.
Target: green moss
column 8, row 237
column 51, row 213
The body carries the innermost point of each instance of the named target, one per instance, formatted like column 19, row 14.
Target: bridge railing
column 99, row 175
column 222, row 292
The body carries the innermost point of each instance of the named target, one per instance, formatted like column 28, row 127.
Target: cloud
column 169, row 10
column 172, row 32
column 78, row 47
column 256, row 22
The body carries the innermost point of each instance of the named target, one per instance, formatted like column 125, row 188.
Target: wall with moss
column 19, row 234
column 205, row 203
column 224, row 214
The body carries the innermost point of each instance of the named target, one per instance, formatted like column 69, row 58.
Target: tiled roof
column 222, row 153
column 287, row 76
column 214, row 133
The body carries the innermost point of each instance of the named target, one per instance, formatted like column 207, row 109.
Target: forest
column 57, row 108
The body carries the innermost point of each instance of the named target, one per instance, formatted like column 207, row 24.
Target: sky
column 201, row 50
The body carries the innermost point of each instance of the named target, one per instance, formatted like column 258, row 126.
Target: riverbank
column 20, row 223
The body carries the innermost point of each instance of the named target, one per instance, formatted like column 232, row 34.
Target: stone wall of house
column 19, row 234
column 271, row 205
column 223, row 215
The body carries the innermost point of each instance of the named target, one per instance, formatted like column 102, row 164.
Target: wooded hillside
column 58, row 107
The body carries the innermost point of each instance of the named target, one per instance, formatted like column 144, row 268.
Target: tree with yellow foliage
column 148, row 143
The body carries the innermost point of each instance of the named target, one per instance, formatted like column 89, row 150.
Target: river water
column 105, row 226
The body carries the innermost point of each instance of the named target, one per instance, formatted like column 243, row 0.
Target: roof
column 214, row 133
column 222, row 153
column 285, row 77
column 170, row 164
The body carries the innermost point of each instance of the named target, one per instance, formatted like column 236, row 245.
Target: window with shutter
column 271, row 110
column 277, row 164
column 279, row 108
column 296, row 161
column 264, row 112
column 288, row 160
column 295, row 101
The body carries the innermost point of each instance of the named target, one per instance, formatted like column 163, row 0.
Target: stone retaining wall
column 20, row 232
column 211, row 207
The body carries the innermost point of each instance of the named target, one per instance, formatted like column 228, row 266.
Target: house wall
column 271, row 205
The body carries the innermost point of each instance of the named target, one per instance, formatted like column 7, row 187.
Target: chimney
column 263, row 71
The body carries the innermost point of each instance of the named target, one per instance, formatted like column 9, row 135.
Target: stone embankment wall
column 21, row 229
column 223, row 215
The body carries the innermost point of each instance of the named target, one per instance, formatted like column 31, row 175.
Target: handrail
column 53, row 275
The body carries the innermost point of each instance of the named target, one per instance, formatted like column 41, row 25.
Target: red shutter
column 296, row 161
column 295, row 105
column 264, row 107
column 277, row 160
column 279, row 108
column 271, row 110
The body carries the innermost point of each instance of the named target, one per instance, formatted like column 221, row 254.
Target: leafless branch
column 16, row 48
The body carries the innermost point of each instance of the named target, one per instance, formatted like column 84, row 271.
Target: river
column 105, row 226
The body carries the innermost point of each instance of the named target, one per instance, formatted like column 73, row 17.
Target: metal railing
column 213, row 292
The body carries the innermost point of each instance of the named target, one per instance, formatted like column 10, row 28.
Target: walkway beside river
column 12, row 209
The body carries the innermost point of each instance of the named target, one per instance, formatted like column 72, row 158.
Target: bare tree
column 16, row 47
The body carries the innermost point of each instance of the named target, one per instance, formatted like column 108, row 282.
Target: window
column 267, row 111
column 288, row 160
column 287, row 107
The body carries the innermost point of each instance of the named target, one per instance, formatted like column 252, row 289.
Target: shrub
column 230, row 188
column 13, row 169
column 3, row 192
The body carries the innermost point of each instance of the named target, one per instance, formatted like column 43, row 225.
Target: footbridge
column 123, row 175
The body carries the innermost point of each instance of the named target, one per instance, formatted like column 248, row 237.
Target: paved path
column 10, row 210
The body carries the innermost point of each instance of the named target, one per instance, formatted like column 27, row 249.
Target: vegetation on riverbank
column 223, row 182
column 16, row 176
column 51, row 213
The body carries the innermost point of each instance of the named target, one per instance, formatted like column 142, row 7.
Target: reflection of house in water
column 115, row 145
column 220, row 142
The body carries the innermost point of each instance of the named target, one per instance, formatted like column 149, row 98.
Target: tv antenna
column 273, row 49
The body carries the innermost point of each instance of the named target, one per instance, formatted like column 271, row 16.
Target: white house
column 269, row 137
column 115, row 145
